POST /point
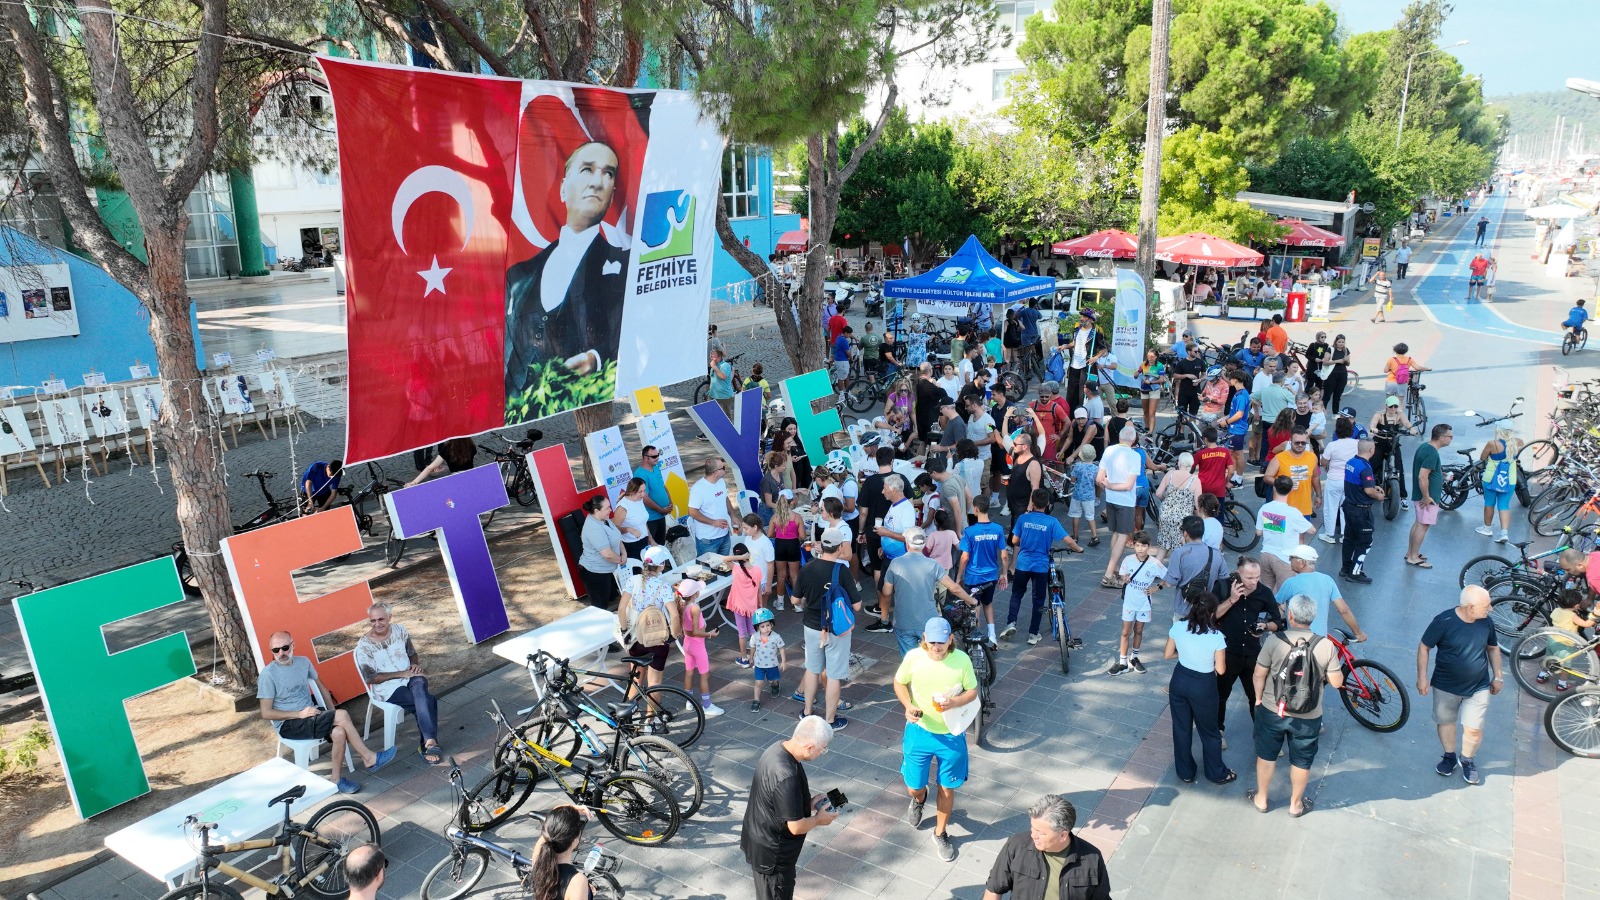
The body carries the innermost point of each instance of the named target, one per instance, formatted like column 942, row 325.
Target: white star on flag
column 434, row 276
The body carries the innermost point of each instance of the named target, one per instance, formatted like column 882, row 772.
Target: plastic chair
column 626, row 571
column 394, row 715
column 308, row 750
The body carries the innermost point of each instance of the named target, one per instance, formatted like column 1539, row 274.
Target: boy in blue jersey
column 1238, row 418
column 1575, row 318
column 983, row 559
column 1034, row 533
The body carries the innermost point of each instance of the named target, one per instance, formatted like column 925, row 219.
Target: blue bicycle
column 1060, row 629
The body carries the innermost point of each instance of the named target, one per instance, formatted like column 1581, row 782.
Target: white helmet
column 777, row 406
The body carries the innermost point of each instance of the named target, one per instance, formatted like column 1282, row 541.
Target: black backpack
column 1299, row 676
column 1200, row 583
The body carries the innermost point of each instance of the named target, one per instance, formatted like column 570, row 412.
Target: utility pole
column 1154, row 130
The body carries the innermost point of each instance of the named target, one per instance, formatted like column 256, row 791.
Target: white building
column 299, row 206
column 978, row 91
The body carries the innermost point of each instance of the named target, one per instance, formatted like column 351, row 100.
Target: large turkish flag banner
column 427, row 163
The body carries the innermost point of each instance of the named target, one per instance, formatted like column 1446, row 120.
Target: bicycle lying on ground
column 631, row 805
column 468, row 860
column 314, row 862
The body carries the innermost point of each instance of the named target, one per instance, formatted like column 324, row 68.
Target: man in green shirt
column 933, row 681
column 1427, row 483
column 871, row 341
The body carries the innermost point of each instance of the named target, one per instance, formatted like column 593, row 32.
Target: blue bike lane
column 1442, row 292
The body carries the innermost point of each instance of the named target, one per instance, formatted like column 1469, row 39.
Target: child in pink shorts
column 695, row 658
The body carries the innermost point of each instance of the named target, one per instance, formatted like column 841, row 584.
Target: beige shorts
column 1448, row 708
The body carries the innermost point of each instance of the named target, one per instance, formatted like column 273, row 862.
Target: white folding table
column 161, row 845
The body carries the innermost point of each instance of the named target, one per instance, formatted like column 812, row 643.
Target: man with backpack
column 1289, row 678
column 1193, row 568
column 832, row 604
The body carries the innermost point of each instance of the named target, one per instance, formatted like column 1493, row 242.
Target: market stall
column 1200, row 249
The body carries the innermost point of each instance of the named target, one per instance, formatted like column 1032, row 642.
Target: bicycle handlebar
column 261, row 474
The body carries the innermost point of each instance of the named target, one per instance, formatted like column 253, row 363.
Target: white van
column 1073, row 292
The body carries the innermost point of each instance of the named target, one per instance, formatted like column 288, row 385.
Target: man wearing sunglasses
column 284, row 690
column 656, row 498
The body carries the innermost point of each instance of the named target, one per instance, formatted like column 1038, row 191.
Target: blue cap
column 937, row 631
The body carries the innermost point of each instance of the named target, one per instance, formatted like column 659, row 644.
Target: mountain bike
column 1526, row 603
column 513, row 462
column 664, row 711
column 277, row 511
column 965, row 624
column 1373, row 694
column 558, row 724
column 631, row 805
column 1574, row 339
column 1573, row 722
column 1060, row 629
column 1461, row 479
column 464, row 866
column 864, row 392
column 1416, row 408
column 1394, row 468
column 314, row 862
column 1551, row 661
column 1492, row 571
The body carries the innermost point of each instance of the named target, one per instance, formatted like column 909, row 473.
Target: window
column 741, row 186
column 1002, row 85
column 1015, row 12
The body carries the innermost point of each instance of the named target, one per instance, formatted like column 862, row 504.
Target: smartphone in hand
column 836, row 799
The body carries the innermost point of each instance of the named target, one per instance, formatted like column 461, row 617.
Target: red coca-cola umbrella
column 1109, row 243
column 1200, row 249
column 1303, row 235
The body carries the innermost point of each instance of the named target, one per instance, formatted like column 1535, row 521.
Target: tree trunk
column 1154, row 130
column 590, row 419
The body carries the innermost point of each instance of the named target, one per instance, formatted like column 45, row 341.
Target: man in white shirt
column 1119, row 477
column 392, row 670
column 1280, row 527
column 565, row 303
column 710, row 509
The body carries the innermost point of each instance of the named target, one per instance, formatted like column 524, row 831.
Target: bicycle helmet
column 837, row 466
column 777, row 406
column 762, row 615
column 1214, row 372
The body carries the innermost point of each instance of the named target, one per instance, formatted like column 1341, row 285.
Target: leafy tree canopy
column 1200, row 175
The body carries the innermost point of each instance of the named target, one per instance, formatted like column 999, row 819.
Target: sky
column 1528, row 45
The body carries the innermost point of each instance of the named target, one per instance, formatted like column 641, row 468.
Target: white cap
column 1302, row 551
column 833, row 537
column 656, row 556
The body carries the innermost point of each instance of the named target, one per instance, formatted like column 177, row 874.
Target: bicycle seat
column 639, row 661
column 289, row 796
column 1522, row 545
column 620, row 711
column 1465, row 452
column 1181, row 447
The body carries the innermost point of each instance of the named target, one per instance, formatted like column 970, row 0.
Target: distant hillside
column 1533, row 115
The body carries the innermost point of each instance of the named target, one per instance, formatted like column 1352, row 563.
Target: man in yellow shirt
column 935, row 680
column 1299, row 463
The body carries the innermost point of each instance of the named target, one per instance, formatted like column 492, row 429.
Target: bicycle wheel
column 1558, row 493
column 1573, row 722
column 1457, row 485
column 678, row 717
column 1524, row 493
column 637, row 808
column 1480, row 569
column 1513, row 615
column 1545, row 658
column 494, row 799
column 521, row 486
column 1568, row 341
column 394, row 547
column 1550, row 522
column 318, row 851
column 203, row 891
column 1375, row 697
column 982, row 662
column 1238, row 526
column 1536, row 456
column 456, row 875
column 604, row 886
column 1063, row 637
column 186, row 573
column 859, row 395
column 1015, row 385
column 666, row 762
column 980, row 724
column 1416, row 408
column 1391, row 499
column 702, row 391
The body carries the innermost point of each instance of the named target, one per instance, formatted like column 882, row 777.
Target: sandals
column 1229, row 778
column 1108, row 583
column 1420, row 563
column 434, row 755
column 1251, row 796
column 1305, row 807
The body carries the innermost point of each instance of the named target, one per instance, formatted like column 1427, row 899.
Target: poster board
column 15, row 437
column 107, row 414
column 234, row 392
column 63, row 421
column 146, row 400
column 610, row 457
column 37, row 302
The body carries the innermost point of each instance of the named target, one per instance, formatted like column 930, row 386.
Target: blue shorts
column 922, row 746
column 1497, row 499
column 768, row 673
column 1237, row 441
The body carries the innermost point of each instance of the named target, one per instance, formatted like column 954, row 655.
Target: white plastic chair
column 308, row 750
column 626, row 571
column 394, row 715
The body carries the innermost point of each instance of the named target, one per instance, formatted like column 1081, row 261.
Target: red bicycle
column 1373, row 694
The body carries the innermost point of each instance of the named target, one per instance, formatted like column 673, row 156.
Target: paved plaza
column 1384, row 824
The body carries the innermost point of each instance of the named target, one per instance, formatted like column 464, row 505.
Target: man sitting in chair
column 391, row 667
column 285, row 694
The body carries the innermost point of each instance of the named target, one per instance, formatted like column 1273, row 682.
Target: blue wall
column 113, row 325
column 763, row 231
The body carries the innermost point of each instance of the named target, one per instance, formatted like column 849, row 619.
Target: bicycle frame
column 210, row 858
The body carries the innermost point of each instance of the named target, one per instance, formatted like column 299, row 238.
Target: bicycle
column 633, row 806
column 1574, row 339
column 1573, row 722
column 1546, row 659
column 1492, row 571
column 1238, row 525
column 513, row 463
column 559, row 725
column 277, row 511
column 702, row 389
column 1060, row 628
column 965, row 625
column 460, row 871
column 1371, row 689
column 1394, row 469
column 864, row 392
column 1416, row 408
column 668, row 711
column 314, row 862
column 1462, row 479
column 393, row 546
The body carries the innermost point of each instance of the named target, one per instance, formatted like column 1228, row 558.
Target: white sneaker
column 1033, row 639
column 1484, row 530
column 1009, row 630
column 713, row 710
column 689, row 706
column 1327, row 538
column 1503, row 537
column 1405, row 504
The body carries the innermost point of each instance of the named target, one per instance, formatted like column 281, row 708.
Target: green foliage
column 1077, row 65
column 20, row 758
column 555, row 389
column 1201, row 173
column 1319, row 169
column 1533, row 115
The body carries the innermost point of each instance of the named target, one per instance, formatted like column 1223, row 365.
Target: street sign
column 1369, row 248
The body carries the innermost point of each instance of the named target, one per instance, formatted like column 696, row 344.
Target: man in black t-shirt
column 874, row 506
column 782, row 810
column 929, row 398
column 1247, row 610
column 827, row 655
column 1186, row 374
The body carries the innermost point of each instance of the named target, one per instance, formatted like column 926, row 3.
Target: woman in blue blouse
column 1198, row 647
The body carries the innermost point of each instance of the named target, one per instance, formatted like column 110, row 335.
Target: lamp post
column 1405, row 91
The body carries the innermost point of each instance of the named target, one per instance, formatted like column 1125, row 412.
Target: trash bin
column 1295, row 307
